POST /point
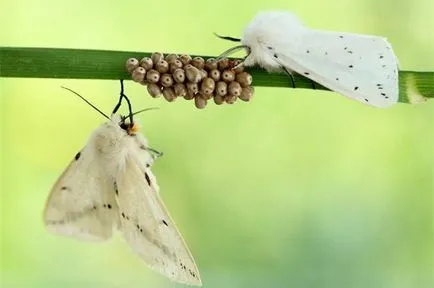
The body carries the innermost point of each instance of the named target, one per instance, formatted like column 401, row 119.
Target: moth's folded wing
column 81, row 203
column 148, row 228
column 360, row 67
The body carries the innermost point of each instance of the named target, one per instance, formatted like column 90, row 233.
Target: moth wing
column 81, row 203
column 148, row 227
column 360, row 67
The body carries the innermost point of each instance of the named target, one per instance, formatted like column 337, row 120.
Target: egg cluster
column 175, row 76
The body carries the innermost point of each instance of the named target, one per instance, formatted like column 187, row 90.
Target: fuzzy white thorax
column 113, row 144
column 266, row 30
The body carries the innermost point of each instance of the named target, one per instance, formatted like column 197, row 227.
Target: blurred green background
column 298, row 188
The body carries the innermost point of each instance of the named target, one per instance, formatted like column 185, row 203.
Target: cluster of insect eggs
column 175, row 76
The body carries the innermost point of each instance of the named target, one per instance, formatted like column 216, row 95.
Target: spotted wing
column 148, row 227
column 82, row 204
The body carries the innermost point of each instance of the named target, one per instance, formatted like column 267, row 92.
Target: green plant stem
column 103, row 64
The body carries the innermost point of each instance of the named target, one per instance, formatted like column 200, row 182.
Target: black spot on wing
column 125, row 216
column 147, row 178
column 149, row 236
column 107, row 206
column 190, row 271
column 116, row 187
column 77, row 156
column 64, row 188
column 164, row 222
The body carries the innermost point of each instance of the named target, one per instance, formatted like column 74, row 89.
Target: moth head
column 125, row 124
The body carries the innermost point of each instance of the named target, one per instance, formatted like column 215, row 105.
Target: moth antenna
column 231, row 51
column 143, row 110
column 88, row 102
column 229, row 38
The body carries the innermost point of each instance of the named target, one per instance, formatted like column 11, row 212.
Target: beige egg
column 176, row 64
column 223, row 64
column 207, row 87
column 228, row 76
column 234, row 88
column 153, row 76
column 166, row 80
column 131, row 64
column 156, row 57
column 221, row 88
column 147, row 63
column 180, row 90
column 218, row 99
column 244, row 78
column 230, row 99
column 138, row 74
column 211, row 64
column 247, row 93
column 214, row 74
column 192, row 89
column 169, row 94
column 170, row 58
column 154, row 90
column 203, row 74
column 185, row 59
column 199, row 102
column 193, row 74
column 179, row 75
column 162, row 66
column 198, row 62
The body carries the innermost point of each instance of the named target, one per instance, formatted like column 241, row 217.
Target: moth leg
column 120, row 98
column 154, row 153
column 290, row 76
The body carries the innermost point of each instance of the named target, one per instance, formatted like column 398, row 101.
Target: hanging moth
column 109, row 184
column 360, row 67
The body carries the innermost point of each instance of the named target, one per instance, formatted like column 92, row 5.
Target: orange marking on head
column 134, row 129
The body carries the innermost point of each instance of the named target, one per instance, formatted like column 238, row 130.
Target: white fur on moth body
column 360, row 67
column 109, row 184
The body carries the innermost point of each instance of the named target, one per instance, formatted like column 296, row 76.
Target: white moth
column 360, row 67
column 109, row 184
